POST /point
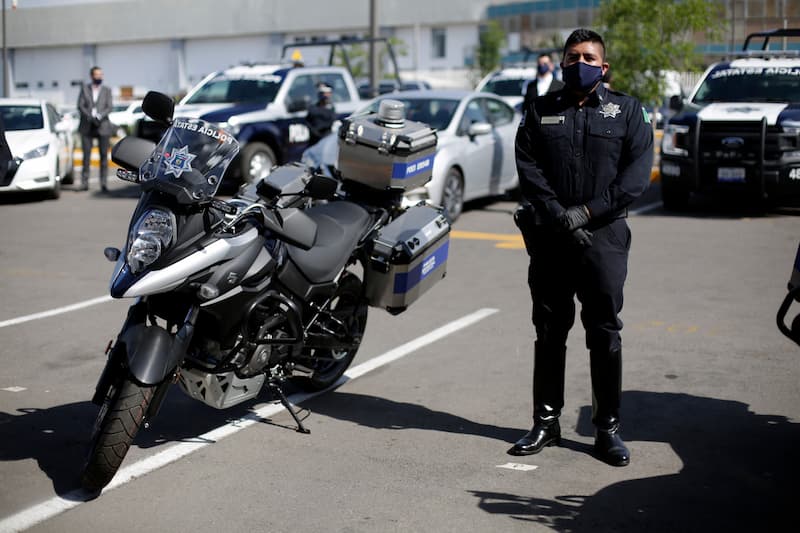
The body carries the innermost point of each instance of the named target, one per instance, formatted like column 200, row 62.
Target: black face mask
column 96, row 81
column 581, row 77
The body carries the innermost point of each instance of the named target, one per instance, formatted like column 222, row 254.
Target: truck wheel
column 674, row 197
column 257, row 162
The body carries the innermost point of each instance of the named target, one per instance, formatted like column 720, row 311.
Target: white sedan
column 475, row 148
column 41, row 142
column 125, row 114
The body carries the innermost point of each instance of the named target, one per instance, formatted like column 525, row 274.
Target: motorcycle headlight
column 153, row 233
column 674, row 141
column 39, row 151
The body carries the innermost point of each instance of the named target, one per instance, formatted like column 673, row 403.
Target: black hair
column 544, row 55
column 91, row 70
column 582, row 35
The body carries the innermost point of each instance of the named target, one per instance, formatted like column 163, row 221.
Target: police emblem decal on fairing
column 610, row 110
column 178, row 162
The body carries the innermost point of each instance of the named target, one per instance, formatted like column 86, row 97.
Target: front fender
column 151, row 353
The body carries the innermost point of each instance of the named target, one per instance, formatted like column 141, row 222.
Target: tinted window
column 435, row 112
column 239, row 90
column 505, row 86
column 751, row 84
column 22, row 117
column 472, row 115
column 498, row 112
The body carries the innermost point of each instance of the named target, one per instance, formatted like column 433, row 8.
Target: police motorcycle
column 269, row 286
column 792, row 331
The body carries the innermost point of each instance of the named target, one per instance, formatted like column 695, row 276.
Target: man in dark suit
column 94, row 105
column 545, row 81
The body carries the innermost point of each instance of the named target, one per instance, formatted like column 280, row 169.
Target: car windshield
column 22, row 117
column 190, row 160
column 224, row 89
column 505, row 86
column 750, row 84
column 435, row 112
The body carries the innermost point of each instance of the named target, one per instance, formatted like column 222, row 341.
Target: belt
column 540, row 219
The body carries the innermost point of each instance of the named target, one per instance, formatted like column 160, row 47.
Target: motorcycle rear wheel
column 350, row 307
column 119, row 420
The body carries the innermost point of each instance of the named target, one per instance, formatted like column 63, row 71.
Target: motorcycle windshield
column 190, row 160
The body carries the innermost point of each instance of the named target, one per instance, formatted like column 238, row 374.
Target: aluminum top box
column 384, row 151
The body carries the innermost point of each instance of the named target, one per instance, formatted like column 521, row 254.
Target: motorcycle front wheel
column 350, row 307
column 119, row 420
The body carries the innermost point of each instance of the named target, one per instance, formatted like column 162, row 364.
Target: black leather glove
column 582, row 238
column 574, row 217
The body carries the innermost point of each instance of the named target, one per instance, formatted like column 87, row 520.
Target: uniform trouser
column 559, row 270
column 86, row 146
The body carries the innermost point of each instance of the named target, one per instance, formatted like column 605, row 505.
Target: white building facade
column 169, row 45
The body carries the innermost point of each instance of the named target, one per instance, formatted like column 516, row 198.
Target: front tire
column 350, row 307
column 119, row 420
column 453, row 195
column 257, row 162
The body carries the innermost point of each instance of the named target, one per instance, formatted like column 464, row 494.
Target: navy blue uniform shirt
column 599, row 155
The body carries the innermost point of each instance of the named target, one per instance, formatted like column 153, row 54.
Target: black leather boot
column 543, row 434
column 548, row 399
column 606, row 369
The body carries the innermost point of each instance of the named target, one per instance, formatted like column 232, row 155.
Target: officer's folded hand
column 582, row 237
column 574, row 217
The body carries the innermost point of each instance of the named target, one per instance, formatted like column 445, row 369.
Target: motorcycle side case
column 409, row 256
column 382, row 157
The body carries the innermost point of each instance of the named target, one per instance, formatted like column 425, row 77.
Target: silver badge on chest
column 610, row 110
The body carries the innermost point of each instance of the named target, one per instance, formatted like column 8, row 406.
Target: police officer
column 321, row 115
column 584, row 153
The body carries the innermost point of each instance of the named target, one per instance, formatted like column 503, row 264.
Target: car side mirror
column 159, row 107
column 675, row 102
column 479, row 128
column 297, row 104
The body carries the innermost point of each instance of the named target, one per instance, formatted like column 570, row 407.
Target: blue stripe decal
column 405, row 281
column 412, row 168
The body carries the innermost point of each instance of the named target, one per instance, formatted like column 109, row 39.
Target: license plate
column 731, row 175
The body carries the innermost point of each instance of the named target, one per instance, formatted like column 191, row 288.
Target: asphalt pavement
column 416, row 440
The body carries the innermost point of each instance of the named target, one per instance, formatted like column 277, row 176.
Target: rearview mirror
column 298, row 104
column 479, row 128
column 675, row 102
column 131, row 152
column 158, row 106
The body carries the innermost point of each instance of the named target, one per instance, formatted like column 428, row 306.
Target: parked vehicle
column 508, row 83
column 125, row 115
column 739, row 130
column 475, row 152
column 273, row 285
column 42, row 143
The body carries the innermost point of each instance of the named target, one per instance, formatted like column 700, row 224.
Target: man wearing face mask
column 545, row 81
column 584, row 153
column 94, row 106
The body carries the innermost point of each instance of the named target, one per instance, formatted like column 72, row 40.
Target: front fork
column 148, row 355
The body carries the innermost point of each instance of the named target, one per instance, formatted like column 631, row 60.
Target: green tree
column 490, row 41
column 645, row 38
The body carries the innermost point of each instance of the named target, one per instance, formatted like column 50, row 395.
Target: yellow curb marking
column 505, row 241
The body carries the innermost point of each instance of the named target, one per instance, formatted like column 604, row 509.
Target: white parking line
column 59, row 504
column 646, row 208
column 56, row 311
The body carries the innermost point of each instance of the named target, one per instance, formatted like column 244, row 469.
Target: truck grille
column 739, row 143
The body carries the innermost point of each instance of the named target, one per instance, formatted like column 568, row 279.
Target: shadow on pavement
column 382, row 413
column 739, row 472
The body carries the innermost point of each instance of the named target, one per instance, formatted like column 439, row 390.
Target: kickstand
column 274, row 387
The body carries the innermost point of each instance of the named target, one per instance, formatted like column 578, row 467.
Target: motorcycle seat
column 340, row 225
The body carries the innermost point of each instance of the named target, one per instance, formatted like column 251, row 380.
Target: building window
column 438, row 42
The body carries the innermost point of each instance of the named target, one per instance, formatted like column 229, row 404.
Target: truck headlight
column 150, row 236
column 674, row 141
column 39, row 151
